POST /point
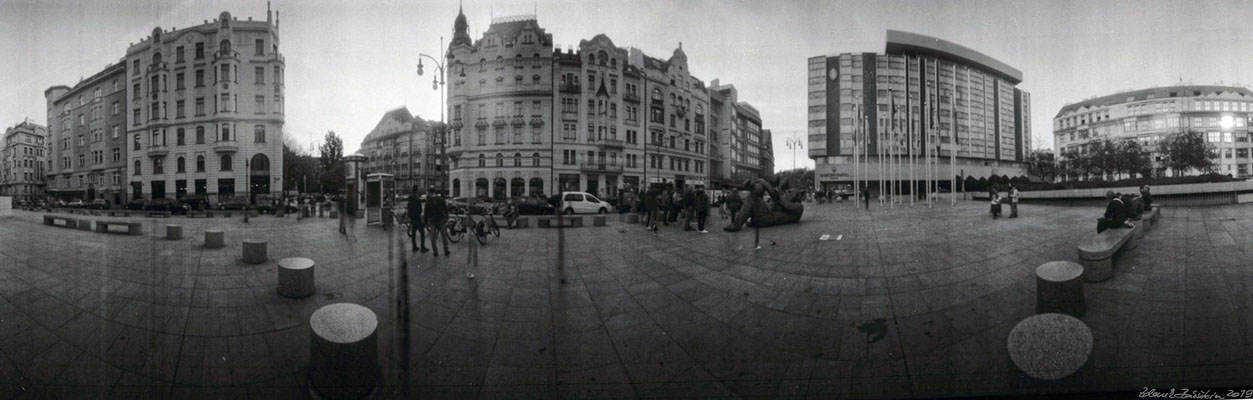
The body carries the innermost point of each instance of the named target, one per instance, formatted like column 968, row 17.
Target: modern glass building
column 922, row 95
column 1149, row 116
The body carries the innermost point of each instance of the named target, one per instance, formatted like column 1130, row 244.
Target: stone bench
column 119, row 213
column 521, row 223
column 227, row 213
column 132, row 228
column 295, row 277
column 255, row 251
column 343, row 356
column 65, row 222
column 162, row 214
column 599, row 220
column 1059, row 288
column 1097, row 254
column 95, row 212
column 84, row 224
column 173, row 232
column 214, row 239
column 563, row 222
column 1149, row 216
column 1050, row 346
column 202, row 214
column 253, row 213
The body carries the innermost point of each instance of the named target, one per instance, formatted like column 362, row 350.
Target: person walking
column 865, row 196
column 676, row 204
column 416, row 223
column 663, row 206
column 700, row 207
column 651, row 208
column 435, row 213
column 1013, row 201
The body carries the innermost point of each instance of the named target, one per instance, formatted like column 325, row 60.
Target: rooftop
column 1154, row 93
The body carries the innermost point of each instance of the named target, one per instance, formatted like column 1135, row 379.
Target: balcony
column 608, row 143
column 570, row 88
column 631, row 97
column 226, row 146
column 600, row 167
column 158, row 151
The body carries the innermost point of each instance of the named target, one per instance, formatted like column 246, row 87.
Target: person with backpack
column 416, row 222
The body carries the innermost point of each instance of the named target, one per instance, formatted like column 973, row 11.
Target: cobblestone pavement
column 897, row 303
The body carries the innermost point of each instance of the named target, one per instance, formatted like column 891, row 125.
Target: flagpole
column 891, row 148
column 856, row 189
column 878, row 149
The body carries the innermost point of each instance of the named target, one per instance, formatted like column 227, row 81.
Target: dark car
column 237, row 203
column 458, row 205
column 161, row 204
column 197, row 202
column 533, row 205
column 136, row 204
column 99, row 204
column 265, row 204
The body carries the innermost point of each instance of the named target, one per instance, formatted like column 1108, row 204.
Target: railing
column 570, row 88
column 608, row 142
column 594, row 166
column 632, row 97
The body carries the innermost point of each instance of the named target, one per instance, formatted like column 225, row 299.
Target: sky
column 348, row 62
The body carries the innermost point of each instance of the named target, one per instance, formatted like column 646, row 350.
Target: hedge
column 1178, row 180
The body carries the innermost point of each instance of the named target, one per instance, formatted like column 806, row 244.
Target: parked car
column 265, row 204
column 530, row 205
column 75, row 204
column 458, row 205
column 161, row 204
column 99, row 204
column 197, row 202
column 237, row 203
column 136, row 204
column 583, row 202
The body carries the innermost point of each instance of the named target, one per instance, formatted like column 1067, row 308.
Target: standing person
column 663, row 206
column 734, row 203
column 1013, row 201
column 865, row 196
column 339, row 204
column 996, row 202
column 650, row 209
column 1115, row 214
column 435, row 213
column 1147, row 197
column 511, row 213
column 416, row 223
column 676, row 204
column 689, row 207
column 700, row 206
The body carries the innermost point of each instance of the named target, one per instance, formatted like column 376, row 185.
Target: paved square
column 897, row 302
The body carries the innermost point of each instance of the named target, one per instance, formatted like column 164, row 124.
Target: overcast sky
column 348, row 61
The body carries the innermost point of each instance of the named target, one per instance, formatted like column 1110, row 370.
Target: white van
column 583, row 203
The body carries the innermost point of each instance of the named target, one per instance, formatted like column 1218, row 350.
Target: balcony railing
column 226, row 146
column 570, row 88
column 158, row 150
column 631, row 97
column 601, row 167
column 608, row 142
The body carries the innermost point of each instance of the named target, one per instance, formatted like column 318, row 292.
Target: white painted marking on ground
column 839, row 237
column 824, row 237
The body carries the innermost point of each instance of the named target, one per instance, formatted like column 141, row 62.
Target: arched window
column 535, row 160
column 199, row 135
column 260, row 163
column 225, row 163
column 657, row 94
column 137, row 167
column 181, row 165
column 225, row 46
column 156, row 58
column 500, row 160
column 482, row 161
column 482, row 65
column 604, row 58
column 517, row 159
column 258, row 133
column 613, row 63
column 182, row 139
column 199, row 163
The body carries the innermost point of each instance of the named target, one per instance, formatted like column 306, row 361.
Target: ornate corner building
column 1149, row 116
column 206, row 112
column 87, row 138
column 531, row 118
column 406, row 147
column 23, row 151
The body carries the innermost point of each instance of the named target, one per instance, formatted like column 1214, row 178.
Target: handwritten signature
column 1186, row 393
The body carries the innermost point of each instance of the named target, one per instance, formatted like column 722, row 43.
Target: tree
column 298, row 166
column 800, row 178
column 1040, row 163
column 332, row 163
column 1184, row 151
column 1133, row 160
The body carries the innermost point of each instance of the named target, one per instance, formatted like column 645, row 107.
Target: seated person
column 1135, row 206
column 1115, row 214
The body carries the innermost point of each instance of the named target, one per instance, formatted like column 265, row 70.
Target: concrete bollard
column 295, row 277
column 255, row 251
column 173, row 232
column 214, row 239
column 1059, row 288
column 343, row 356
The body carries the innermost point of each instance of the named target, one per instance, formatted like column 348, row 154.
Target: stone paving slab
column 909, row 302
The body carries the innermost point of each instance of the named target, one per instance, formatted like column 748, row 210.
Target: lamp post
column 437, row 83
column 794, row 143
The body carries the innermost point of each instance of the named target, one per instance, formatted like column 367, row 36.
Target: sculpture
column 784, row 206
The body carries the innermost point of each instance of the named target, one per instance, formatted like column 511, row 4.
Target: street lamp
column 794, row 143
column 437, row 83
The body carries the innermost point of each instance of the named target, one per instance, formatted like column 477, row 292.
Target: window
column 178, row 54
column 225, row 45
column 226, row 133
column 199, row 50
column 199, row 163
column 178, row 81
column 259, row 77
column 180, row 109
column 135, row 67
column 181, row 165
column 179, row 137
column 535, row 159
column 225, row 163
column 199, row 78
column 517, row 159
column 199, row 135
column 259, row 107
column 199, row 106
column 482, row 161
column 260, row 47
column 137, row 165
column 258, row 133
column 278, row 77
column 224, row 103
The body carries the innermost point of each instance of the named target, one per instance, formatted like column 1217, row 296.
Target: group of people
column 995, row 194
column 670, row 205
column 432, row 214
column 1123, row 208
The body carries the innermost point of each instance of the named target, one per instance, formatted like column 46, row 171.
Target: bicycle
column 459, row 224
column 489, row 222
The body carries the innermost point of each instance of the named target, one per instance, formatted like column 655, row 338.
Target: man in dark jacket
column 1115, row 214
column 689, row 205
column 435, row 213
column 1147, row 197
column 416, row 223
column 700, row 207
column 650, row 208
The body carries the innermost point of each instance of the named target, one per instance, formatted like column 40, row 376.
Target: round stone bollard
column 173, row 232
column 334, row 214
column 295, row 277
column 1050, row 346
column 343, row 357
column 1059, row 288
column 255, row 251
column 214, row 239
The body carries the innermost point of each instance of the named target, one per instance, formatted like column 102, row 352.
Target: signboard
column 6, row 206
column 832, row 173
